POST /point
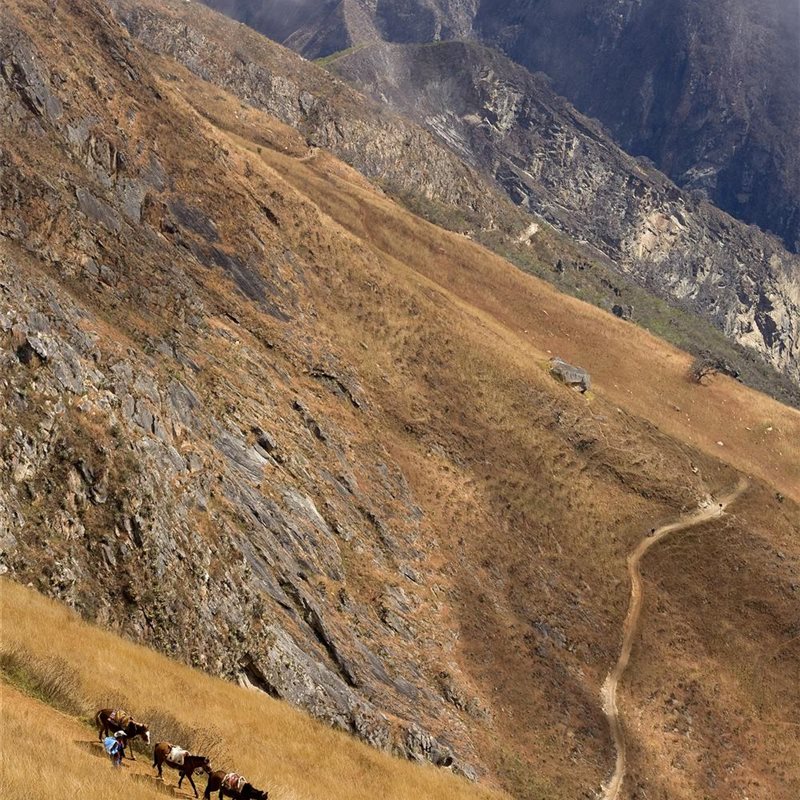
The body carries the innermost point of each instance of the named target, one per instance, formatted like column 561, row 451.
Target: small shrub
column 52, row 681
column 201, row 741
column 708, row 364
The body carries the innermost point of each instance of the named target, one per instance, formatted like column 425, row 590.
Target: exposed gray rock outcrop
column 164, row 468
column 574, row 377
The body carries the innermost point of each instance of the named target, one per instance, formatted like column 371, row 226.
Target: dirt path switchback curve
column 708, row 510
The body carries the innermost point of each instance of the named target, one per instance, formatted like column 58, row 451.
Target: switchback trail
column 708, row 510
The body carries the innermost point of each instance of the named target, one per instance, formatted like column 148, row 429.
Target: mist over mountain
column 709, row 89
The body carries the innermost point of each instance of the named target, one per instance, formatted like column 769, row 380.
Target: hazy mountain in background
column 710, row 91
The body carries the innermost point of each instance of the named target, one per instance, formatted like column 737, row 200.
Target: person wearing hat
column 115, row 747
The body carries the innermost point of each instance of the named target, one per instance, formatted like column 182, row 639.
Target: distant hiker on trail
column 115, row 747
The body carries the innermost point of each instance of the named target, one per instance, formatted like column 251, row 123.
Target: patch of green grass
column 329, row 59
column 446, row 216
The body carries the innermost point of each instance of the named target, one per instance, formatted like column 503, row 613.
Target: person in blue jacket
column 115, row 747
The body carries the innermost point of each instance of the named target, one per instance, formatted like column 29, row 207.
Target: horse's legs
column 181, row 776
column 189, row 776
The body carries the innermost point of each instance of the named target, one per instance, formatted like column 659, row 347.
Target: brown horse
column 161, row 756
column 111, row 720
column 232, row 785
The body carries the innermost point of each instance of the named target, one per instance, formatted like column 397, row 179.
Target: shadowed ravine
column 710, row 509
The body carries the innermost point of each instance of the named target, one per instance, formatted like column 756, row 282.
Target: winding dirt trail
column 710, row 509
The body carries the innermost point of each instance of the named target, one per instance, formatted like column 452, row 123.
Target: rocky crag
column 708, row 90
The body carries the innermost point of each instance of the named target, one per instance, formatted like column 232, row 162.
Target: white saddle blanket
column 176, row 756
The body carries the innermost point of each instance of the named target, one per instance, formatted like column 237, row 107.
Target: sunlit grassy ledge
column 60, row 668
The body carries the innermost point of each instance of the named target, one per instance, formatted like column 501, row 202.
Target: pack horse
column 231, row 784
column 181, row 760
column 113, row 720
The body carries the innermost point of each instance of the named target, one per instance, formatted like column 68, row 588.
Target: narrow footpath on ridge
column 710, row 509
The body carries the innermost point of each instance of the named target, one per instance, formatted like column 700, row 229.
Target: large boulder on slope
column 575, row 377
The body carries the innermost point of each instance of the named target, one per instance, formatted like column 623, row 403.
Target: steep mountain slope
column 327, row 111
column 562, row 166
column 710, row 91
column 49, row 700
column 508, row 125
column 257, row 415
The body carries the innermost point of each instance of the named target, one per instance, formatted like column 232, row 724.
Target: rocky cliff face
column 565, row 168
column 257, row 416
column 318, row 29
column 166, row 467
column 707, row 90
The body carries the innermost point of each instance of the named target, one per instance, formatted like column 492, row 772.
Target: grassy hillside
column 448, row 321
column 49, row 746
column 278, row 427
column 630, row 367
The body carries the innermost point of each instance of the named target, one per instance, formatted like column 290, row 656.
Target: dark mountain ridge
column 710, row 91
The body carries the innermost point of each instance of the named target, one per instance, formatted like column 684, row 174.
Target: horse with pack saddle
column 114, row 720
column 231, row 784
column 183, row 761
column 119, row 723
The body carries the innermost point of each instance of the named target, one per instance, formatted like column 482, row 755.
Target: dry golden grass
column 41, row 756
column 48, row 754
column 630, row 367
column 451, row 344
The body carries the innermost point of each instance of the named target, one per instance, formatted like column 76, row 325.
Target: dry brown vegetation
column 49, row 752
column 631, row 368
column 531, row 495
column 448, row 321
